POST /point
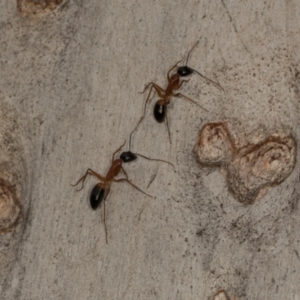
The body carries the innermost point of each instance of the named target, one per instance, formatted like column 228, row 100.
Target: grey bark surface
column 71, row 80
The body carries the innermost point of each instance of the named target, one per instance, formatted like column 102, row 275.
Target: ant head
column 184, row 71
column 127, row 156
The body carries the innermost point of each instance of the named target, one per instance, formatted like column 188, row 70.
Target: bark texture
column 69, row 81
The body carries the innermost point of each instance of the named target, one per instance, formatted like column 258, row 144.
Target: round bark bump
column 255, row 167
column 37, row 7
column 10, row 209
column 222, row 295
column 215, row 145
column 250, row 169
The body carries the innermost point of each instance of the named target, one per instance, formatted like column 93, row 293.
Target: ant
column 101, row 190
column 174, row 84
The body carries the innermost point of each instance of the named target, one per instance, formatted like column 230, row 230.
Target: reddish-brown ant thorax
column 117, row 164
column 174, row 77
column 114, row 170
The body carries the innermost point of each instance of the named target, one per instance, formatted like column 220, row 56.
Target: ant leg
column 153, row 84
column 179, row 86
column 124, row 172
column 143, row 116
column 83, row 178
column 168, row 74
column 105, row 223
column 145, row 106
column 187, row 98
column 167, row 123
column 104, row 215
column 113, row 156
column 160, row 92
column 125, row 179
column 150, row 83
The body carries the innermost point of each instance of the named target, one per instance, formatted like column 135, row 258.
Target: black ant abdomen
column 97, row 196
column 159, row 112
column 184, row 71
column 128, row 156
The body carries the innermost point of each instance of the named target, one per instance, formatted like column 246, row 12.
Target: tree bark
column 70, row 78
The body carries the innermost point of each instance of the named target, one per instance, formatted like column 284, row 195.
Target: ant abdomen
column 159, row 112
column 97, row 196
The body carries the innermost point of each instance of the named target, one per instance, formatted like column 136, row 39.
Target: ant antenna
column 213, row 82
column 187, row 58
column 186, row 68
column 132, row 132
column 155, row 159
column 130, row 140
column 161, row 160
